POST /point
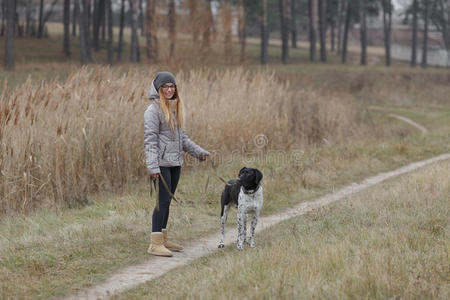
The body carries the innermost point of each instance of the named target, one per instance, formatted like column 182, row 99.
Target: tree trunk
column 110, row 32
column 242, row 30
column 122, row 23
column 66, row 20
column 323, row 30
column 264, row 33
column 283, row 5
column 363, row 30
column 2, row 30
column 99, row 13
column 134, row 44
column 226, row 14
column 414, row 35
column 41, row 19
column 141, row 18
column 312, row 29
column 332, row 9
column 9, row 39
column 425, row 34
column 341, row 6
column 172, row 28
column 85, row 51
column 293, row 25
column 207, row 27
column 74, row 18
column 348, row 15
column 387, row 25
column 193, row 19
column 150, row 31
column 103, row 25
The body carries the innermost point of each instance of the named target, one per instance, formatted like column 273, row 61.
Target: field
column 75, row 204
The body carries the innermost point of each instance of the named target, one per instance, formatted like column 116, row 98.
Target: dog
column 246, row 194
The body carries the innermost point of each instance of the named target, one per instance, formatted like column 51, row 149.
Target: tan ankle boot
column 170, row 245
column 157, row 245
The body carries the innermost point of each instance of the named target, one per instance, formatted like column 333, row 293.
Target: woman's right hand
column 156, row 175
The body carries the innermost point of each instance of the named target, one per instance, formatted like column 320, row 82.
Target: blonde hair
column 165, row 107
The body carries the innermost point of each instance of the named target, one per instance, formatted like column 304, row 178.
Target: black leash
column 154, row 186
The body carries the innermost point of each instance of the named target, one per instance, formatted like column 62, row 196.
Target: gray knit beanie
column 162, row 78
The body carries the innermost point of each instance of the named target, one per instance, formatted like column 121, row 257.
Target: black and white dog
column 246, row 194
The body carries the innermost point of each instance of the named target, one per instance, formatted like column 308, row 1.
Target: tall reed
column 61, row 140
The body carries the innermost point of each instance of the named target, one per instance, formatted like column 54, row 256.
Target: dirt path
column 403, row 119
column 132, row 276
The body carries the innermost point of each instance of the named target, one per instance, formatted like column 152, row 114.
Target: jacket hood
column 152, row 93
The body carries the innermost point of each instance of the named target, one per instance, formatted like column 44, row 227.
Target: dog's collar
column 249, row 192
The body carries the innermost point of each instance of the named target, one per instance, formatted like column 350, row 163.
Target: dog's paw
column 221, row 246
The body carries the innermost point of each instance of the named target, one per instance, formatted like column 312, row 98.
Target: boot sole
column 159, row 254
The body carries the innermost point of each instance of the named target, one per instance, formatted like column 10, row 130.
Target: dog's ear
column 241, row 170
column 258, row 176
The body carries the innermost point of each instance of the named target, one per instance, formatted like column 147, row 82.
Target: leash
column 213, row 167
column 154, row 187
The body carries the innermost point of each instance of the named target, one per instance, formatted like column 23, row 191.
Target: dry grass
column 59, row 141
column 388, row 242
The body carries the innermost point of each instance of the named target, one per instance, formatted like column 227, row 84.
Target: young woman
column 164, row 142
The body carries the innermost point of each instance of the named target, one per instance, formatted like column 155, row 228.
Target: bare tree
column 193, row 19
column 363, row 31
column 293, row 24
column 99, row 14
column 426, row 16
column 414, row 34
column 9, row 39
column 312, row 29
column 264, row 32
column 150, row 31
column 322, row 30
column 66, row 20
column 172, row 28
column 74, row 18
column 43, row 18
column 242, row 31
column 134, row 45
column 340, row 10
column 207, row 26
column 348, row 16
column 440, row 17
column 387, row 29
column 82, row 15
column 110, row 31
column 226, row 18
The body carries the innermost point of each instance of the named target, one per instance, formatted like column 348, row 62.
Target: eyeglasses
column 166, row 87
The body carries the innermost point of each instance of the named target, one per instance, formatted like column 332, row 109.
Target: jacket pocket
column 163, row 152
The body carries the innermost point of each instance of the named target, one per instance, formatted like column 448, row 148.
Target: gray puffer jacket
column 163, row 146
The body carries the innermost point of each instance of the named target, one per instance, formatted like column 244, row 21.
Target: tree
column 293, row 25
column 340, row 10
column 440, row 17
column 110, row 32
column 312, row 29
column 425, row 33
column 134, row 44
column 348, row 16
column 284, row 21
column 207, row 26
column 414, row 34
column 264, row 32
column 9, row 39
column 226, row 17
column 44, row 18
column 66, row 19
column 172, row 28
column 363, row 30
column 387, row 29
column 322, row 30
column 242, row 31
column 82, row 14
column 99, row 14
column 150, row 31
column 193, row 19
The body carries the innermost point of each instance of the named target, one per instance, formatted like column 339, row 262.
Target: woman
column 164, row 142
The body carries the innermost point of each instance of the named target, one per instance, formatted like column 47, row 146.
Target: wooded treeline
column 324, row 22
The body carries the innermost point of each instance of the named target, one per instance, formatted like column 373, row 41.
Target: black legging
column 171, row 176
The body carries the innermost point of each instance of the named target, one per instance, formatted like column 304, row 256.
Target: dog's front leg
column 224, row 221
column 241, row 228
column 252, row 229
